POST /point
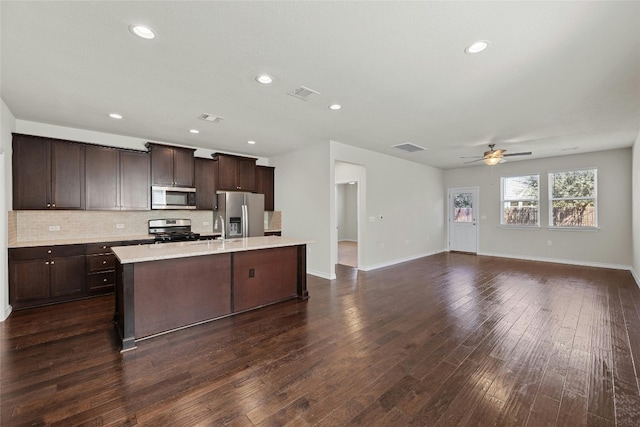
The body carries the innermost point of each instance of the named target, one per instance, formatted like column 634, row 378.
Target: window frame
column 503, row 200
column 551, row 199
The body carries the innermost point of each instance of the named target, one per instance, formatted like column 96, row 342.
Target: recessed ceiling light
column 115, row 116
column 477, row 47
column 194, row 131
column 264, row 79
column 251, row 142
column 142, row 31
column 335, row 106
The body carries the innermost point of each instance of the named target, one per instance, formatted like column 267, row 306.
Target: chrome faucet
column 223, row 226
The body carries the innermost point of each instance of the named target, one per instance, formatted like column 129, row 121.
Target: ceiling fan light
column 492, row 161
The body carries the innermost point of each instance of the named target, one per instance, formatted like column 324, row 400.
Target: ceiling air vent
column 407, row 146
column 210, row 118
column 303, row 93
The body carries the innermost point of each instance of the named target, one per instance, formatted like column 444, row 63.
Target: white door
column 463, row 212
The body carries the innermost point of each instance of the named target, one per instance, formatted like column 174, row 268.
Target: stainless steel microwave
column 173, row 197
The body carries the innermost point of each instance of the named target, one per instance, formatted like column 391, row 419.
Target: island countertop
column 156, row 252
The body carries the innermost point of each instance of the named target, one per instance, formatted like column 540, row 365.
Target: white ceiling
column 557, row 75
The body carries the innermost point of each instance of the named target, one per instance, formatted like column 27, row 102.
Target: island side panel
column 173, row 293
column 302, row 272
column 123, row 315
column 264, row 276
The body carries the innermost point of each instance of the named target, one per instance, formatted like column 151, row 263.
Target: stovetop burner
column 172, row 230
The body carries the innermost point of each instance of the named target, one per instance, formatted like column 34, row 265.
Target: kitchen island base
column 160, row 296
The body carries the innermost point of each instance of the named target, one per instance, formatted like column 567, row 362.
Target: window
column 572, row 198
column 520, row 200
column 463, row 207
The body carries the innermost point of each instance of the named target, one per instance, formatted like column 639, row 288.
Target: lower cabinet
column 44, row 275
column 101, row 268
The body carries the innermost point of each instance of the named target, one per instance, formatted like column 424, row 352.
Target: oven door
column 173, row 198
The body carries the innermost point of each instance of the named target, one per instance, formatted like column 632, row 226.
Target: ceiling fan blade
column 472, row 157
column 473, row 161
column 524, row 153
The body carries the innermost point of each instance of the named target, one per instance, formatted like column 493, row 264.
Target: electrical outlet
column 119, row 225
column 381, row 245
column 54, row 228
column 252, row 272
column 205, row 223
column 549, row 242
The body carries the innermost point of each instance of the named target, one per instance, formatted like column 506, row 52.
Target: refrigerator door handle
column 245, row 221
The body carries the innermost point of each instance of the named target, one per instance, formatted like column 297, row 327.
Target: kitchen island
column 161, row 288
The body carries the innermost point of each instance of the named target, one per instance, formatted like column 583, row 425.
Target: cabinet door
column 102, row 178
column 227, row 173
column 31, row 173
column 67, row 175
column 161, row 166
column 265, row 185
column 183, row 167
column 246, row 174
column 67, row 276
column 205, row 183
column 28, row 281
column 135, row 189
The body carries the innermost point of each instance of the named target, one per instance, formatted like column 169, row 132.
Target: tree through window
column 520, row 200
column 573, row 198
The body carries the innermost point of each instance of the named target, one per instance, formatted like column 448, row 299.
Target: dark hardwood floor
column 451, row 339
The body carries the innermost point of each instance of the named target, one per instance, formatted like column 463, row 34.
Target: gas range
column 172, row 230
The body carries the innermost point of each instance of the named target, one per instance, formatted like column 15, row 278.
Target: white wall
column 347, row 211
column 7, row 125
column 409, row 198
column 302, row 194
column 610, row 246
column 636, row 209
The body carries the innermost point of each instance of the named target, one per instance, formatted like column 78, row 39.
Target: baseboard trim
column 347, row 240
column 7, row 311
column 561, row 261
column 399, row 260
column 321, row 275
column 635, row 276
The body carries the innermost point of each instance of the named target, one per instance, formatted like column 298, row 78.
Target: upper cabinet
column 206, row 171
column 265, row 185
column 117, row 179
column 235, row 173
column 47, row 173
column 171, row 166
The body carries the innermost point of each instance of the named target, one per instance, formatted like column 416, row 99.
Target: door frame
column 358, row 222
column 476, row 210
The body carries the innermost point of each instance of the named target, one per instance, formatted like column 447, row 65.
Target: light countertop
column 155, row 252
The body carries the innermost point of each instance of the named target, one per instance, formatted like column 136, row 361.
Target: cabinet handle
column 104, row 280
column 52, row 262
column 104, row 262
column 48, row 205
column 54, row 205
column 46, row 263
column 49, row 251
column 104, row 247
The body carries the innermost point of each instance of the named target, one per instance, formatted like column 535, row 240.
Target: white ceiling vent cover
column 303, row 93
column 408, row 146
column 210, row 118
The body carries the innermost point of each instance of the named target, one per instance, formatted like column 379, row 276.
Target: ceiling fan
column 493, row 157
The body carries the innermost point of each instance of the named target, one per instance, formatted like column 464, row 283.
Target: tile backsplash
column 26, row 226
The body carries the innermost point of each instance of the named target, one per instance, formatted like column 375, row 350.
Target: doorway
column 463, row 215
column 347, row 223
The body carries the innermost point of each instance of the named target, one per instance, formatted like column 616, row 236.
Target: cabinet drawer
column 101, row 248
column 101, row 262
column 42, row 252
column 101, row 280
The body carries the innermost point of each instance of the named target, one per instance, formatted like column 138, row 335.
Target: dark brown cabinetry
column 235, row 173
column 265, row 185
column 100, row 268
column 205, row 183
column 264, row 276
column 116, row 179
column 43, row 275
column 47, row 173
column 171, row 166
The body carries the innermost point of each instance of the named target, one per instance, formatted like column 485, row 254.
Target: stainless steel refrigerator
column 241, row 214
